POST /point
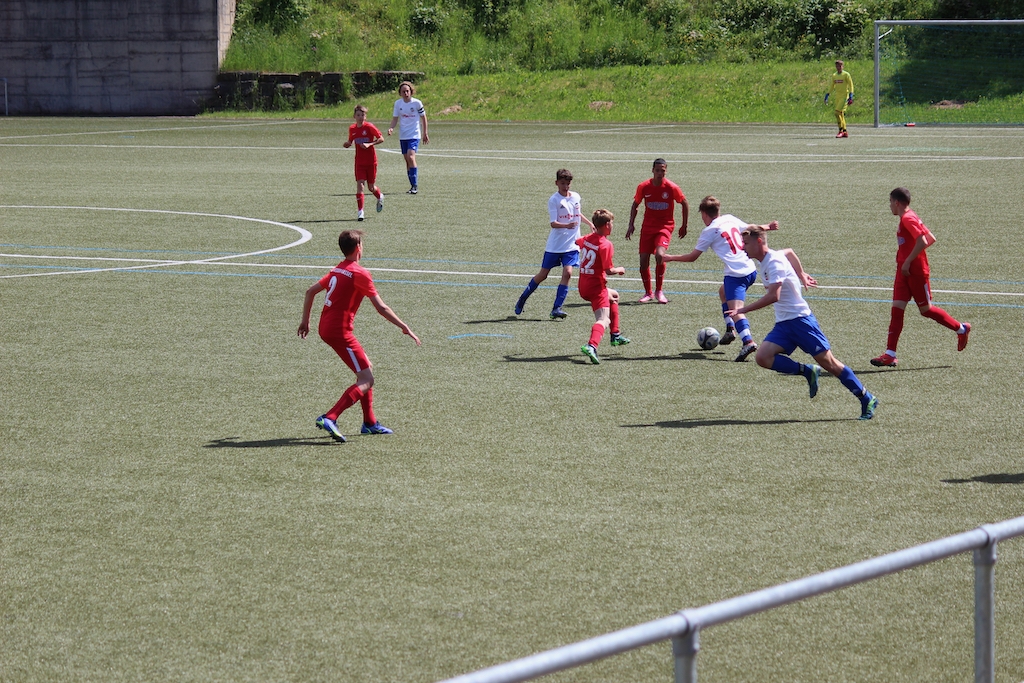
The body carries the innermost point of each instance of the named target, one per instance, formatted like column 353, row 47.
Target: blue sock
column 851, row 382
column 728, row 321
column 786, row 365
column 743, row 327
column 531, row 287
column 560, row 293
column 412, row 176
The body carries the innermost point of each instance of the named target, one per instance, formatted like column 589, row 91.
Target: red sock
column 659, row 274
column 366, row 401
column 596, row 332
column 376, row 192
column 360, row 201
column 942, row 318
column 351, row 395
column 615, row 317
column 645, row 277
column 895, row 328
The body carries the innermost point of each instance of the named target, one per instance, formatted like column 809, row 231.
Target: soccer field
column 169, row 512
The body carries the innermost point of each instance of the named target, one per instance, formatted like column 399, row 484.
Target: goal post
column 958, row 72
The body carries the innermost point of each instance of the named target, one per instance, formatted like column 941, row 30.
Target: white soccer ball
column 707, row 338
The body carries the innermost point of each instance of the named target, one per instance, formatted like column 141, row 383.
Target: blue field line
column 480, row 334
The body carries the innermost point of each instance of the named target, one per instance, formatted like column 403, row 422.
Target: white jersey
column 776, row 268
column 408, row 114
column 563, row 210
column 723, row 236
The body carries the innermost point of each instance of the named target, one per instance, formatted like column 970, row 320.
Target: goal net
column 949, row 72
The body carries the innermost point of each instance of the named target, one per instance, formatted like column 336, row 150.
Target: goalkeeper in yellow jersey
column 841, row 93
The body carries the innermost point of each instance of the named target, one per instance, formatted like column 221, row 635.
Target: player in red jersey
column 659, row 196
column 913, row 278
column 346, row 285
column 596, row 254
column 365, row 136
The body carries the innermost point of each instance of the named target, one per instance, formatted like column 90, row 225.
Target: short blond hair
column 602, row 217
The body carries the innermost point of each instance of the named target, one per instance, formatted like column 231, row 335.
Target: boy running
column 596, row 254
column 659, row 196
column 795, row 324
column 723, row 235
column 913, row 279
column 410, row 117
column 365, row 136
column 346, row 285
column 561, row 249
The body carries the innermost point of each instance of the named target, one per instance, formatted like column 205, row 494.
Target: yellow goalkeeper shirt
column 842, row 88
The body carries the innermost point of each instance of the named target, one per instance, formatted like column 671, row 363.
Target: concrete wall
column 112, row 57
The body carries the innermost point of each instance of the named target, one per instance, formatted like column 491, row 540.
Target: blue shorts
column 736, row 287
column 803, row 333
column 555, row 259
column 413, row 144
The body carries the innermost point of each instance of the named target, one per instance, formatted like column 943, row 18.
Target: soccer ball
column 707, row 338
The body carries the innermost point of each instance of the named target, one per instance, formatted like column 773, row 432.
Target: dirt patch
column 454, row 109
column 949, row 104
column 601, row 106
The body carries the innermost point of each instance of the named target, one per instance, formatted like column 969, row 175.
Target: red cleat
column 961, row 339
column 884, row 361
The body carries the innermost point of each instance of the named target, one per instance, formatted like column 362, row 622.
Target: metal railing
column 6, row 113
column 683, row 628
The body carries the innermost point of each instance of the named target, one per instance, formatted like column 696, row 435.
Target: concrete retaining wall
column 112, row 57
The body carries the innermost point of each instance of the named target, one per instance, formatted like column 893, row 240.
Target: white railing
column 683, row 628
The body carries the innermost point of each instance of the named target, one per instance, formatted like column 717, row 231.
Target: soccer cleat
column 660, row 296
column 839, row 134
column 558, row 314
column 375, row 428
column 591, row 353
column 745, row 351
column 729, row 337
column 360, row 217
column 961, row 339
column 380, row 202
column 619, row 340
column 868, row 407
column 520, row 305
column 413, row 190
column 646, row 299
column 327, row 424
column 813, row 373
column 884, row 361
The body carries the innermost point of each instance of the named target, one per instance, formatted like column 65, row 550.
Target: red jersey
column 346, row 284
column 364, row 134
column 659, row 204
column 596, row 254
column 909, row 230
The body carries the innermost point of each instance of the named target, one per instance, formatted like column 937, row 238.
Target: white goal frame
column 927, row 22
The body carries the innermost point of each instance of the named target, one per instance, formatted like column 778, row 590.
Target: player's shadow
column 325, row 220
column 882, row 371
column 1001, row 478
column 236, row 442
column 546, row 359
column 725, row 422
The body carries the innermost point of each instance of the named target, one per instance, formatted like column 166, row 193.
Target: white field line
column 304, row 236
column 219, row 261
column 147, row 130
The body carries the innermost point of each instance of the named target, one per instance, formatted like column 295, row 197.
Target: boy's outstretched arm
column 386, row 311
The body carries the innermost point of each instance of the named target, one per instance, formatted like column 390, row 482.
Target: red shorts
column 650, row 241
column 350, row 350
column 596, row 294
column 367, row 173
column 916, row 287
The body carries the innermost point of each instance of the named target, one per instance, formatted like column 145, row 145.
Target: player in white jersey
column 411, row 119
column 795, row 324
column 561, row 249
column 722, row 235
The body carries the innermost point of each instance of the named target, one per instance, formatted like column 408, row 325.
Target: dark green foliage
column 278, row 15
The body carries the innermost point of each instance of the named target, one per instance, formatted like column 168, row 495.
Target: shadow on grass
column 233, row 442
column 1002, row 478
column 325, row 220
column 727, row 422
column 881, row 371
